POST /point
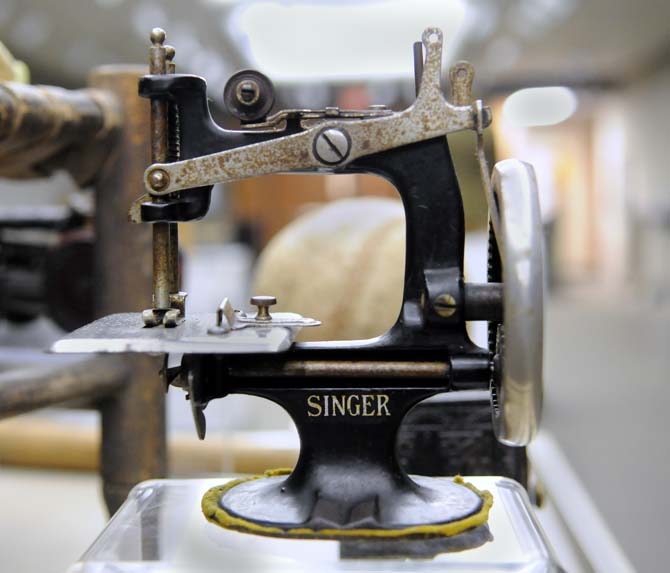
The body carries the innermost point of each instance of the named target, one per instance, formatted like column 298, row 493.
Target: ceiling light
column 341, row 41
column 539, row 106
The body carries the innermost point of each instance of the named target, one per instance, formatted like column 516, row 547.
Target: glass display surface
column 160, row 528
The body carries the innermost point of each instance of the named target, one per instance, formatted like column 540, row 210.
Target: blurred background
column 578, row 88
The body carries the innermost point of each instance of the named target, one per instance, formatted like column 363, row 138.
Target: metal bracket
column 227, row 318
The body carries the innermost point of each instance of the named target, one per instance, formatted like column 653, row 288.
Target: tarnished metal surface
column 158, row 65
column 516, row 415
column 310, row 117
column 429, row 117
column 161, row 261
column 43, row 128
column 173, row 265
column 177, row 301
column 286, row 319
column 461, row 76
column 125, row 333
column 159, row 141
column 227, row 318
column 27, row 389
column 238, row 319
column 353, row 369
column 164, row 147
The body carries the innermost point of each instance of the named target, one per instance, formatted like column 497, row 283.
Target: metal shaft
column 159, row 131
column 483, row 301
column 27, row 389
column 161, row 262
column 347, row 369
column 173, row 155
column 44, row 128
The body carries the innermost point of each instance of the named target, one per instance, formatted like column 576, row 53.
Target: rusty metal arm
column 430, row 116
column 43, row 128
column 27, row 389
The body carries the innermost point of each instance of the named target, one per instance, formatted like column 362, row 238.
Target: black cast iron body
column 348, row 426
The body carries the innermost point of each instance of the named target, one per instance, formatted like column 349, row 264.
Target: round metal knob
column 263, row 304
column 249, row 96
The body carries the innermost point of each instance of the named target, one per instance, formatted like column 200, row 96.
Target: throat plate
column 126, row 333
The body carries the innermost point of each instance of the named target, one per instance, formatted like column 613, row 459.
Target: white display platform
column 160, row 528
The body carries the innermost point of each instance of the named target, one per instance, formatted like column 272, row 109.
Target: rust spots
column 370, row 131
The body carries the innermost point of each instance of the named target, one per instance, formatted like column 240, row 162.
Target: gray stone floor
column 607, row 395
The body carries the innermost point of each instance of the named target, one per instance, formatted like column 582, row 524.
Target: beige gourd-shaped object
column 12, row 70
column 342, row 264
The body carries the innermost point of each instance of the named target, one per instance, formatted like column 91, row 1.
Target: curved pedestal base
column 417, row 507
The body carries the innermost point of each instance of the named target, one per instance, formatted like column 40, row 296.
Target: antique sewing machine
column 347, row 399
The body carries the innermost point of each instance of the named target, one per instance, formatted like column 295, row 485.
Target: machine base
column 416, row 507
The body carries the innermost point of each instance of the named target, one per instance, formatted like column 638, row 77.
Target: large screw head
column 263, row 303
column 445, row 305
column 332, row 146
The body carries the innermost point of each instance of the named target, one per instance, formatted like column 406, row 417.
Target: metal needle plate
column 126, row 333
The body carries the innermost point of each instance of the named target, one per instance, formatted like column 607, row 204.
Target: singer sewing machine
column 346, row 398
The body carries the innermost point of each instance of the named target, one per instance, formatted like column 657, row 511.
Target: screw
column 263, row 303
column 445, row 305
column 158, row 179
column 332, row 146
column 247, row 92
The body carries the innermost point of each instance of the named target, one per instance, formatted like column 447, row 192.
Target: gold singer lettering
column 335, row 405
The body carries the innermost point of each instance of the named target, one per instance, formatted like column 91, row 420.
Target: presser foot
column 279, row 504
column 168, row 317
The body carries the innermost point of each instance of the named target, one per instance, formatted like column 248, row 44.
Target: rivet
column 158, row 179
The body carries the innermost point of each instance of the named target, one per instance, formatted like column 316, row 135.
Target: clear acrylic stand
column 160, row 528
